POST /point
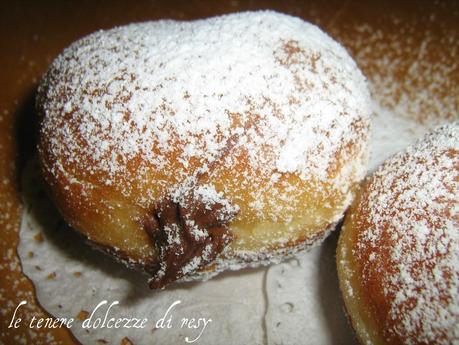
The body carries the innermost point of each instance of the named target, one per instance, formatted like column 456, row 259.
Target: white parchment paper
column 296, row 302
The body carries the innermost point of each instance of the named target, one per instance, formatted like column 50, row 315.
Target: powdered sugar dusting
column 290, row 94
column 409, row 71
column 207, row 195
column 414, row 216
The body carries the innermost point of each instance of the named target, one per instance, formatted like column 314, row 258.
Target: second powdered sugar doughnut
column 398, row 252
column 187, row 148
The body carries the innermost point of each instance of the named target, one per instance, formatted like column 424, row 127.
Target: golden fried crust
column 284, row 146
column 397, row 255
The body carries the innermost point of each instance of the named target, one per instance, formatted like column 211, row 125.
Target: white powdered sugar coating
column 147, row 92
column 207, row 195
column 413, row 210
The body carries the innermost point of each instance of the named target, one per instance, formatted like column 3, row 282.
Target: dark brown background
column 32, row 33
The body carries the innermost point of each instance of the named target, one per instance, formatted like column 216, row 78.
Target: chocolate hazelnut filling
column 190, row 226
column 189, row 234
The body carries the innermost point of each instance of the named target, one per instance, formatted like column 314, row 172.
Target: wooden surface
column 387, row 39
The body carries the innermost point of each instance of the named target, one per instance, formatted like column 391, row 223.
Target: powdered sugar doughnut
column 398, row 254
column 193, row 147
